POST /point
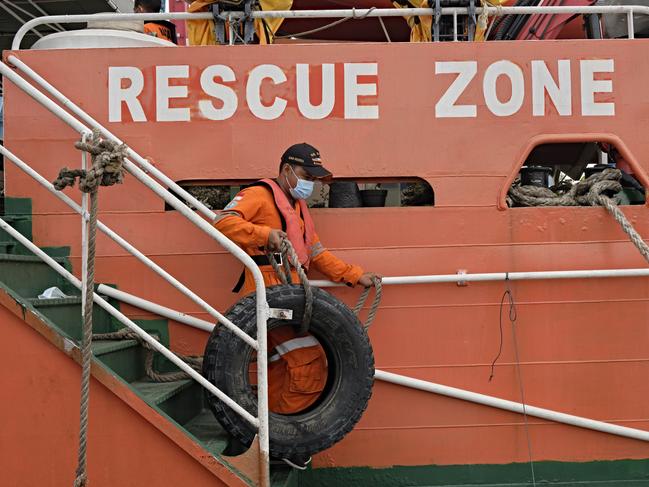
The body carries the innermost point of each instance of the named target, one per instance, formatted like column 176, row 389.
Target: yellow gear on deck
column 420, row 27
column 201, row 32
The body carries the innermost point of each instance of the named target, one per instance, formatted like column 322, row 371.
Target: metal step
column 65, row 313
column 28, row 275
column 207, row 430
column 124, row 357
column 180, row 400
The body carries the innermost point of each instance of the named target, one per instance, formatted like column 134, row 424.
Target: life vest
column 302, row 240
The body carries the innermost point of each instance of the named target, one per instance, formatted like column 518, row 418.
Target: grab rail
column 262, row 309
column 628, row 10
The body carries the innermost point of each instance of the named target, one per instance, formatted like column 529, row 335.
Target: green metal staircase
column 25, row 276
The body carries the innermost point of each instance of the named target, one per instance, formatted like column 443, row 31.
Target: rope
column 106, row 170
column 195, row 362
column 593, row 191
column 297, row 35
column 290, row 258
column 375, row 304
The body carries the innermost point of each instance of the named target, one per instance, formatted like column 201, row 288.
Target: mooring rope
column 596, row 190
column 194, row 361
column 106, row 170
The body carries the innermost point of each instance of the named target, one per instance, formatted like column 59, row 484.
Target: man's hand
column 367, row 279
column 275, row 238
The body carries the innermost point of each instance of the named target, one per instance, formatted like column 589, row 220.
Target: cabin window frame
column 639, row 171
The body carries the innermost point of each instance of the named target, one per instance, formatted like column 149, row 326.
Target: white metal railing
column 262, row 312
column 427, row 386
column 628, row 10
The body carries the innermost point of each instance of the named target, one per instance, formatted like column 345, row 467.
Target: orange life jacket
column 161, row 29
column 302, row 242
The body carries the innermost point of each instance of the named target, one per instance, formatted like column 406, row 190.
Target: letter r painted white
column 310, row 111
column 354, row 89
column 253, row 91
column 560, row 94
column 118, row 95
column 446, row 107
column 590, row 86
column 515, row 75
column 216, row 90
column 165, row 92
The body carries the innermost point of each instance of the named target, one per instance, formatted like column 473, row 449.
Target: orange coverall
column 296, row 375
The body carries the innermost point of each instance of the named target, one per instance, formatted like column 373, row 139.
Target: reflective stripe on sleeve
column 223, row 214
column 316, row 249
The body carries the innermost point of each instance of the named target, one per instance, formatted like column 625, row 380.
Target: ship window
column 553, row 170
column 360, row 193
column 393, row 192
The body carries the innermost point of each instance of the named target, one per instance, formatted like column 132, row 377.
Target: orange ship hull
column 582, row 343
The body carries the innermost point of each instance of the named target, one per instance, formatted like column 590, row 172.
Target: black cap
column 308, row 157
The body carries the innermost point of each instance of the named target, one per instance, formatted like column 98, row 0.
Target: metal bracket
column 280, row 313
column 461, row 282
column 436, row 19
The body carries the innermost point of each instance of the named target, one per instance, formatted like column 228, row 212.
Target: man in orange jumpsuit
column 257, row 219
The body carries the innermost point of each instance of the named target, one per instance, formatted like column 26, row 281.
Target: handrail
column 410, row 382
column 461, row 278
column 628, row 10
column 84, row 116
column 156, row 345
column 10, row 156
column 262, row 309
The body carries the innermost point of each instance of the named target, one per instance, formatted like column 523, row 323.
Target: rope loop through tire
column 290, row 258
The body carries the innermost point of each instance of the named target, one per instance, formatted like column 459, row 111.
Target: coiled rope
column 106, row 170
column 290, row 258
column 596, row 190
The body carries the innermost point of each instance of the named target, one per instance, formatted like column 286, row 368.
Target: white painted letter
column 310, row 111
column 446, row 107
column 253, row 92
column 118, row 95
column 216, row 90
column 515, row 75
column 354, row 89
column 165, row 92
column 560, row 94
column 590, row 86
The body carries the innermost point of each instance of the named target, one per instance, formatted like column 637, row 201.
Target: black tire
column 350, row 363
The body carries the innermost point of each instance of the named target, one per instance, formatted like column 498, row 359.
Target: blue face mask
column 303, row 188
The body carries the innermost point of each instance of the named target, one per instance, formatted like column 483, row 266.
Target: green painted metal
column 66, row 313
column 27, row 275
column 623, row 473
column 126, row 359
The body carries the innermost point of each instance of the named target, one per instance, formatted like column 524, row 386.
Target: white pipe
column 157, row 346
column 262, row 309
column 515, row 407
column 501, row 276
column 84, row 116
column 329, row 13
column 410, row 382
column 10, row 156
column 157, row 309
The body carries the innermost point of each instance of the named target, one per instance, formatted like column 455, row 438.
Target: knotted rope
column 596, row 190
column 106, row 170
column 290, row 258
column 195, row 362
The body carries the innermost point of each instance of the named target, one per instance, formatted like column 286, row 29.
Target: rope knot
column 106, row 169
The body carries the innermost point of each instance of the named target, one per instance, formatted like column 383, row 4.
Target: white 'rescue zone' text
column 126, row 85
